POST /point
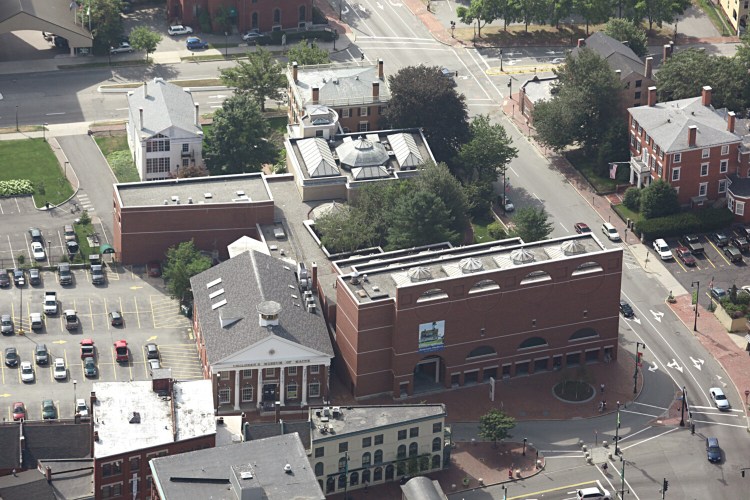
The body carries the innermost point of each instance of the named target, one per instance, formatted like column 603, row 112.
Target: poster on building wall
column 431, row 336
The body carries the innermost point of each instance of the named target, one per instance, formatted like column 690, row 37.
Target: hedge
column 325, row 35
column 16, row 187
column 709, row 219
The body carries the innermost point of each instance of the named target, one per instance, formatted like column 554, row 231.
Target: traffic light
column 666, row 485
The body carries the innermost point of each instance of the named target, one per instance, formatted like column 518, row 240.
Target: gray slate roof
column 667, row 123
column 43, row 441
column 339, row 84
column 249, row 279
column 264, row 459
column 739, row 186
column 266, row 430
column 618, row 55
column 164, row 105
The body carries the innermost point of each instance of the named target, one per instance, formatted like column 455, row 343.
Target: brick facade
column 249, row 14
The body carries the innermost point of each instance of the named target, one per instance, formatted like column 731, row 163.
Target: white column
column 237, row 389
column 281, row 385
column 304, row 385
column 259, row 395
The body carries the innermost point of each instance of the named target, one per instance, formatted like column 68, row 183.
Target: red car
column 685, row 256
column 19, row 411
column 582, row 228
column 121, row 351
column 154, row 268
column 87, row 348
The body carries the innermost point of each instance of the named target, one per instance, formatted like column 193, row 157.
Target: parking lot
column 149, row 316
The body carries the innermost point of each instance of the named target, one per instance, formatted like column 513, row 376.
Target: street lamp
column 501, row 60
column 695, row 302
column 617, row 431
column 524, row 447
column 682, row 407
column 44, row 132
column 341, row 6
column 676, row 20
column 226, row 45
column 453, row 28
column 505, row 492
column 637, row 362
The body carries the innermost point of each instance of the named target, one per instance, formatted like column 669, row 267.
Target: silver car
column 6, row 324
column 123, row 48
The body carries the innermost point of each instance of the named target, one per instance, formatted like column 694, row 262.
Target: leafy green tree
column 105, row 22
column 659, row 199
column 190, row 171
column 261, row 76
column 418, row 219
column 374, row 203
column 660, row 11
column 556, row 121
column 476, row 12
column 422, row 97
column 437, row 179
column 632, row 198
column 183, row 262
column 532, row 224
column 497, row 231
column 495, row 426
column 305, row 55
column 237, row 141
column 344, row 230
column 532, row 11
column 613, row 147
column 142, row 38
column 559, row 10
column 592, row 11
column 479, row 195
column 487, row 154
column 626, row 30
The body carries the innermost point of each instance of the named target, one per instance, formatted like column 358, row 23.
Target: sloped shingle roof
column 164, row 105
column 617, row 54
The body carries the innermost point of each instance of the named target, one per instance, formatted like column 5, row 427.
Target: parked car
column 720, row 239
column 507, row 204
column 154, row 268
column 19, row 277
column 693, row 243
column 37, row 250
column 64, row 274
column 718, row 293
column 36, row 321
column 626, row 310
column 610, row 231
column 27, row 372
column 49, row 412
column 41, row 354
column 82, row 408
column 153, row 364
column 686, row 256
column 741, row 230
column 60, row 370
column 36, row 234
column 121, row 351
column 35, row 277
column 69, row 232
column 663, row 250
column 713, row 451
column 11, row 356
column 152, row 351
column 194, row 43
column 252, row 36
column 4, row 280
column 741, row 243
column 88, row 350
column 720, row 400
column 89, row 367
column 72, row 247
column 115, row 318
column 733, row 253
column 122, row 48
column 19, row 411
column 6, row 324
column 97, row 274
column 179, row 29
column 582, row 228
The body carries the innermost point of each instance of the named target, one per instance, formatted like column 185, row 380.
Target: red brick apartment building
column 424, row 319
column 244, row 14
column 358, row 91
column 150, row 217
column 692, row 146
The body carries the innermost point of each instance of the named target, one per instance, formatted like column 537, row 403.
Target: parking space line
column 137, row 316
column 91, row 311
column 680, row 264
column 114, row 362
column 12, row 254
column 106, row 310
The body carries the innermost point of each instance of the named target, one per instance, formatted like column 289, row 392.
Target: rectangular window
column 313, row 390
column 658, row 169
column 637, row 95
column 159, row 144
column 269, row 373
column 291, row 370
column 135, row 463
column 414, row 432
column 437, row 427
column 702, row 188
column 247, row 374
column 185, row 147
column 676, row 174
column 346, row 113
column 730, row 203
column 635, row 124
column 640, row 130
column 725, row 149
column 157, row 165
column 363, row 111
column 705, row 153
column 225, row 396
column 291, row 390
column 402, row 435
column 107, row 491
column 704, row 169
column 638, row 83
column 648, row 140
column 343, row 447
column 722, row 186
column 318, row 133
column 314, row 369
column 319, row 452
column 185, row 162
column 247, row 394
column 117, row 490
column 723, row 166
column 366, row 442
column 676, row 158
column 378, row 439
column 740, row 208
column 364, row 126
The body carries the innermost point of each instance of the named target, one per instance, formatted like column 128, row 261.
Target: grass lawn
column 716, row 17
column 33, row 159
column 625, row 213
column 115, row 149
column 481, row 234
column 84, row 250
column 585, row 165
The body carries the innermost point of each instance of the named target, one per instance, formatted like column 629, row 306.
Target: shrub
column 16, row 187
column 706, row 220
column 324, row 35
column 497, row 231
column 85, row 218
column 632, row 198
column 659, row 199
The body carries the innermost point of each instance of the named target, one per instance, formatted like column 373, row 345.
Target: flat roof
column 240, row 188
column 339, row 84
column 354, row 419
column 159, row 420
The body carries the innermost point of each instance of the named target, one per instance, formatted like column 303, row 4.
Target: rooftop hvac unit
column 176, row 199
column 311, row 307
column 355, row 278
column 190, row 201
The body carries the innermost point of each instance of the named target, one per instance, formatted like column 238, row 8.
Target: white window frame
column 730, row 203
column 292, row 390
column 702, row 189
column 291, row 371
column 346, row 113
column 705, row 153
column 364, row 126
column 722, row 186
column 364, row 111
column 723, row 166
column 225, row 395
column 246, row 395
column 313, row 390
column 677, row 158
column 739, row 208
column 314, row 369
column 675, row 174
column 272, row 375
column 704, row 169
column 247, row 373
column 725, row 149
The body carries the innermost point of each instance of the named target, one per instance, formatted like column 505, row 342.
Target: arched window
column 583, row 333
column 389, row 472
column 342, row 481
column 437, row 443
column 378, row 456
column 354, row 478
column 482, row 350
column 319, row 469
column 378, row 474
column 277, row 16
column 536, row 277
column 365, row 476
column 401, row 468
column 435, row 461
column 533, row 342
column 342, row 464
column 432, row 294
column 413, row 449
column 588, row 268
column 366, row 459
column 330, row 485
column 401, row 451
column 302, row 14
column 483, row 286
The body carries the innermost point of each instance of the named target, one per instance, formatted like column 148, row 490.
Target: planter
column 732, row 325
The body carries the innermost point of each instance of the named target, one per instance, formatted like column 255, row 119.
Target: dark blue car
column 194, row 42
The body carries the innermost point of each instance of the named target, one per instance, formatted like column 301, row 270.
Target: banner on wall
column 431, row 336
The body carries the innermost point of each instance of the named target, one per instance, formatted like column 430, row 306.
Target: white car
column 124, row 47
column 558, row 60
column 27, row 371
column 61, row 372
column 81, row 408
column 663, row 249
column 610, row 231
column 179, row 30
column 37, row 250
column 252, row 35
column 722, row 403
column 594, row 492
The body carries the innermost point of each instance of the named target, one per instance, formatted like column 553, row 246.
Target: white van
column 663, row 249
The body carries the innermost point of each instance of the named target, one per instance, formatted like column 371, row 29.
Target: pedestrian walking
column 605, row 467
column 602, row 388
column 363, row 56
column 604, row 404
column 601, row 406
column 510, row 473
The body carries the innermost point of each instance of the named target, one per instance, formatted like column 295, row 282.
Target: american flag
column 612, row 170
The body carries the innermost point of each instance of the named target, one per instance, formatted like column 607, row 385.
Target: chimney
column 277, row 406
column 618, row 72
column 692, row 134
column 380, row 69
column 706, row 96
column 581, row 42
column 145, row 89
column 649, row 67
column 651, row 96
column 730, row 122
column 140, row 113
column 197, row 116
column 315, row 95
column 666, row 53
column 375, row 90
column 47, row 473
column 294, row 71
column 315, row 266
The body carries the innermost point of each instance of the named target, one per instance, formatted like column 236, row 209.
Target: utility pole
column 664, row 488
column 682, row 407
column 622, row 477
column 695, row 303
column 617, row 431
column 637, row 362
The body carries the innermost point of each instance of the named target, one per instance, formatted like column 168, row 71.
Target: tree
column 660, row 11
column 142, row 38
column 487, row 154
column 236, row 142
column 659, row 199
column 261, row 76
column 191, row 171
column 183, row 262
column 632, row 198
column 532, row 224
column 344, row 230
column 530, row 11
column 625, row 30
column 592, row 11
column 422, row 97
column 437, row 179
column 479, row 196
column 105, row 21
column 419, row 219
column 305, row 55
column 494, row 426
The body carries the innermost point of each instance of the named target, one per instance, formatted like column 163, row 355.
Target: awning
column 106, row 248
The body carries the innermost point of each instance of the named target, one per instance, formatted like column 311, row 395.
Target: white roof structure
column 317, row 157
column 245, row 244
column 406, row 150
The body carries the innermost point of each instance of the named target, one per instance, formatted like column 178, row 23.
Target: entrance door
column 269, row 392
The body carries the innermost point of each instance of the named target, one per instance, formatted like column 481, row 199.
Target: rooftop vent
column 136, row 418
column 166, row 202
column 355, row 278
column 208, row 195
column 190, row 201
column 573, row 247
column 419, row 273
column 288, row 468
column 246, row 475
column 521, row 256
column 268, row 313
column 176, row 199
column 240, row 193
column 470, row 265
